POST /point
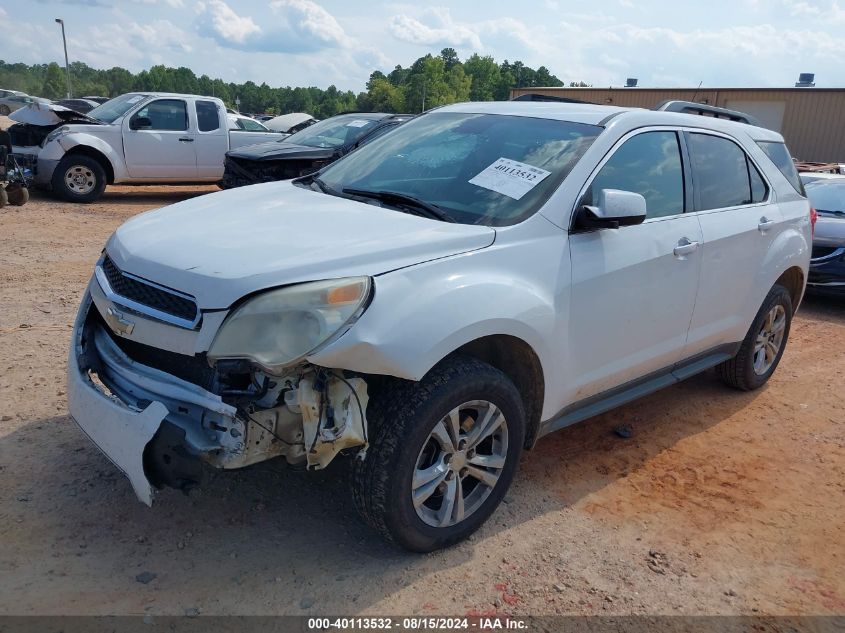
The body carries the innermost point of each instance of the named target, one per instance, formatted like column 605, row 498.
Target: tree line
column 432, row 80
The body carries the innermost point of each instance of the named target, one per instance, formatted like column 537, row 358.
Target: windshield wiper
column 321, row 185
column 426, row 209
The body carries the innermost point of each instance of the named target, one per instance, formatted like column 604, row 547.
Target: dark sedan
column 827, row 266
column 83, row 106
column 306, row 151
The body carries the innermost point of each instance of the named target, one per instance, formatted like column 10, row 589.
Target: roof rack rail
column 688, row 107
column 533, row 96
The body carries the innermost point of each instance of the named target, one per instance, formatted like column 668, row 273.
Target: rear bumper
column 130, row 411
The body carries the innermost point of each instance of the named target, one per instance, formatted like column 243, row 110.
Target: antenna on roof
column 696, row 91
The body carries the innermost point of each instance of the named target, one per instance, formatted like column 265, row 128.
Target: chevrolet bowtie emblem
column 118, row 322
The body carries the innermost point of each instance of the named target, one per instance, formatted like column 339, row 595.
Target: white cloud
column 441, row 30
column 289, row 26
column 309, row 18
column 228, row 25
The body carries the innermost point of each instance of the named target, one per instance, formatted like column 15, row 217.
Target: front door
column 634, row 288
column 163, row 149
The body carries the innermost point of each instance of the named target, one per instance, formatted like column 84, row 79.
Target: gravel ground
column 721, row 503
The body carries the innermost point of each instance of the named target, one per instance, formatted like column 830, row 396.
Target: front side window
column 208, row 117
column 486, row 169
column 724, row 175
column 165, row 114
column 648, row 164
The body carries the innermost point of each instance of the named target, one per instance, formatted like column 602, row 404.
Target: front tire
column 442, row 454
column 79, row 178
column 763, row 346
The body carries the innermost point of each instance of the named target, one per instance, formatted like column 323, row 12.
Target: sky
column 663, row 43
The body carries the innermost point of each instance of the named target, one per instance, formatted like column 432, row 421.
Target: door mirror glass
column 613, row 208
column 140, row 123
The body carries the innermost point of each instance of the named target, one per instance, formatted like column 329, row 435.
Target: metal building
column 812, row 120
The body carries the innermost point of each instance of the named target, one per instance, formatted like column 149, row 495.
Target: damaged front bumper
column 161, row 430
column 120, row 405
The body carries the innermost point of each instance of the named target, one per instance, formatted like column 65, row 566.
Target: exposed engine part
column 333, row 416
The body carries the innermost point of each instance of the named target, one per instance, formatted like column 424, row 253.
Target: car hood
column 44, row 114
column 223, row 246
column 280, row 150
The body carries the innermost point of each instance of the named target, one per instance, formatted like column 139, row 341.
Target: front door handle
column 765, row 224
column 685, row 247
column 186, row 139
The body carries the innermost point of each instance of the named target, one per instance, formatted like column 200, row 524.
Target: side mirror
column 140, row 123
column 613, row 208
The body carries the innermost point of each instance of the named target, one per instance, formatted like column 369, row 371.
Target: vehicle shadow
column 136, row 195
column 272, row 536
column 823, row 307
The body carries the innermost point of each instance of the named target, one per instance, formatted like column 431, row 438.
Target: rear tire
column 4, row 110
column 408, row 424
column 763, row 346
column 79, row 178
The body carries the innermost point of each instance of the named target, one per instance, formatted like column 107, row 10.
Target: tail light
column 814, row 216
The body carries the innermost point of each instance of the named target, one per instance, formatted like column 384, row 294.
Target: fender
column 421, row 314
column 56, row 150
column 789, row 249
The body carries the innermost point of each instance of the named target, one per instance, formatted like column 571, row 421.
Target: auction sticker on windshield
column 357, row 123
column 510, row 178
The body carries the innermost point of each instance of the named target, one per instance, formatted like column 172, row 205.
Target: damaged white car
column 437, row 300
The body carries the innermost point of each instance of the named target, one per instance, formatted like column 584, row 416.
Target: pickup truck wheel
column 442, row 454
column 79, row 178
column 762, row 349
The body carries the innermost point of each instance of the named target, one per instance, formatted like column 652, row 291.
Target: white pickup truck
column 136, row 138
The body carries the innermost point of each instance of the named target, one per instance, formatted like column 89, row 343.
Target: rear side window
column 648, row 164
column 723, row 174
column 779, row 155
column 208, row 118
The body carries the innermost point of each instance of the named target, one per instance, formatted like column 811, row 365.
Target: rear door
column 164, row 150
column 739, row 224
column 634, row 288
column 211, row 140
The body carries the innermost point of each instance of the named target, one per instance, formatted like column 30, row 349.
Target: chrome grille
column 147, row 294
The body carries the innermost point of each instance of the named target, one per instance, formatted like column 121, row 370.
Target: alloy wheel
column 460, row 463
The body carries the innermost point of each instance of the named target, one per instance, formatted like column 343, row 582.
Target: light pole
column 67, row 65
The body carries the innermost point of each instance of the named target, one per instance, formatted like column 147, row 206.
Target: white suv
column 439, row 299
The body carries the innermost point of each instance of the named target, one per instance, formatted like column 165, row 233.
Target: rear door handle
column 186, row 139
column 685, row 247
column 765, row 224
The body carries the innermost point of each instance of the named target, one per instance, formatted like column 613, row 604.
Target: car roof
column 592, row 114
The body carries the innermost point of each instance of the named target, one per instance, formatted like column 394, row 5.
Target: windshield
column 334, row 132
column 478, row 168
column 115, row 108
column 827, row 195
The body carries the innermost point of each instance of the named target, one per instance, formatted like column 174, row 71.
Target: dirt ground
column 721, row 503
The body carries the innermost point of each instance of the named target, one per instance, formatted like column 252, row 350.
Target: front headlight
column 279, row 327
column 59, row 131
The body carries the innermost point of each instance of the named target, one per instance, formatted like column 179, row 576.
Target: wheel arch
column 793, row 280
column 95, row 154
column 519, row 362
